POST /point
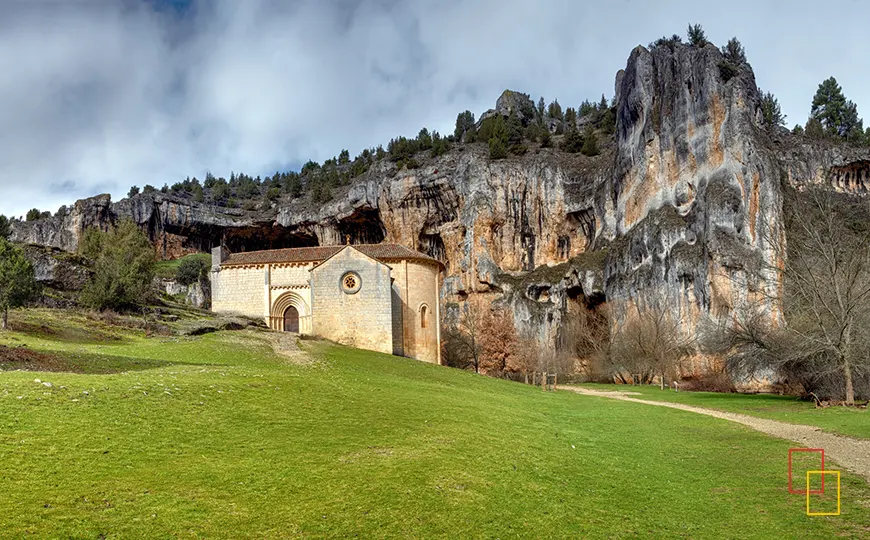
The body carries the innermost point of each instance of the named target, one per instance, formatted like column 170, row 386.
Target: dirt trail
column 286, row 345
column 853, row 454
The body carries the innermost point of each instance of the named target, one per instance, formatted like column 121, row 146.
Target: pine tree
column 814, row 128
column 837, row 115
column 497, row 149
column 697, row 37
column 590, row 142
column 555, row 110
column 424, row 140
column 123, row 262
column 546, row 139
column 586, row 108
column 196, row 189
column 464, row 124
column 5, row 227
column 293, row 186
column 344, row 157
column 571, row 118
column 771, row 114
column 573, row 142
column 734, row 53
column 17, row 280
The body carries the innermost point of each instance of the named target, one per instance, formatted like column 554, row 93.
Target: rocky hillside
column 674, row 209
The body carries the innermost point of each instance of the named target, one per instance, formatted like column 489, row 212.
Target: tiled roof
column 380, row 252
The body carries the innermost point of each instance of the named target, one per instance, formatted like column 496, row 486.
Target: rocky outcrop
column 196, row 294
column 177, row 226
column 695, row 195
column 812, row 161
column 488, row 221
column 56, row 268
column 64, row 230
column 512, row 104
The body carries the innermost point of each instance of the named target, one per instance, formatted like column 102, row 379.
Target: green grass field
column 218, row 437
column 849, row 421
column 168, row 269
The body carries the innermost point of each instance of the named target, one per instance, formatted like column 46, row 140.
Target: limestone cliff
column 677, row 207
column 695, row 194
column 695, row 197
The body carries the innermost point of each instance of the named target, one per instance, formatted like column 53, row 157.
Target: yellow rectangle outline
column 823, row 473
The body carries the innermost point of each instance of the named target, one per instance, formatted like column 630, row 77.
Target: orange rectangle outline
column 823, row 473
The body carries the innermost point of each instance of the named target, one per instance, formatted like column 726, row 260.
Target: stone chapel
column 381, row 297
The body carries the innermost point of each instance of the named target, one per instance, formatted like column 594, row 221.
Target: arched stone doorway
column 291, row 320
column 290, row 313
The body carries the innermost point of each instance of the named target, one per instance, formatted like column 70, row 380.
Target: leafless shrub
column 484, row 340
column 717, row 381
column 649, row 344
column 498, row 343
column 586, row 335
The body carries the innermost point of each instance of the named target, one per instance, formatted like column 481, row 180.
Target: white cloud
column 96, row 98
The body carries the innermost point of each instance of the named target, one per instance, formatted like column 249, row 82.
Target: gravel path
column 853, row 454
column 286, row 345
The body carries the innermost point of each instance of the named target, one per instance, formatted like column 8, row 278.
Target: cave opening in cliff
column 267, row 236
column 582, row 230
column 577, row 298
column 585, row 326
column 433, row 245
column 539, row 293
column 363, row 226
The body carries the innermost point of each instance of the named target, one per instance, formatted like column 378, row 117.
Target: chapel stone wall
column 362, row 319
column 415, row 286
column 238, row 289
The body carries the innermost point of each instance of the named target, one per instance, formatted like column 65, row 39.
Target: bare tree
column 527, row 358
column 650, row 343
column 463, row 340
column 586, row 335
column 825, row 294
column 499, row 341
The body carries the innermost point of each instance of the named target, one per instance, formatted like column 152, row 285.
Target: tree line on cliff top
column 318, row 181
column 831, row 116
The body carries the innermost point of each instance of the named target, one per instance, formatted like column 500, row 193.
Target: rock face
column 64, row 230
column 197, row 294
column 56, row 268
column 695, row 195
column 176, row 226
column 676, row 210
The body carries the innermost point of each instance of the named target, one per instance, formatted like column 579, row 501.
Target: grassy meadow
column 216, row 436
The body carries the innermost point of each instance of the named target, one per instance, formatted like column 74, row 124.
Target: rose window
column 350, row 282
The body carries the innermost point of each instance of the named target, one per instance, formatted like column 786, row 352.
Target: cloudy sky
column 96, row 96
